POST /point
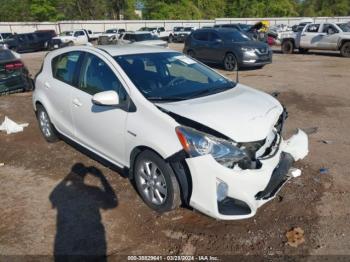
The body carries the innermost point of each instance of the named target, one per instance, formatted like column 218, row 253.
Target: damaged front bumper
column 248, row 189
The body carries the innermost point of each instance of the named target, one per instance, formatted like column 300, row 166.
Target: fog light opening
column 221, row 191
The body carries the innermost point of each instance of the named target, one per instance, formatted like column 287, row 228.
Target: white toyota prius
column 182, row 133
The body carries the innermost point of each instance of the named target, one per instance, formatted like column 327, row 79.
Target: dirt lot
column 34, row 201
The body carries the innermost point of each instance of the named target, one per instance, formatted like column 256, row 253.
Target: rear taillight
column 14, row 65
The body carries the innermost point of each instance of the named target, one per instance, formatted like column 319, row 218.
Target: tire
column 303, row 51
column 230, row 62
column 156, row 182
column 345, row 49
column 30, row 85
column 170, row 39
column 191, row 53
column 47, row 129
column 70, row 43
column 287, row 47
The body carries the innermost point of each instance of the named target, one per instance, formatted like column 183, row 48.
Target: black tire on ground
column 170, row 39
column 287, row 47
column 303, row 50
column 70, row 43
column 191, row 53
column 345, row 49
column 230, row 62
column 46, row 127
column 156, row 182
column 30, row 86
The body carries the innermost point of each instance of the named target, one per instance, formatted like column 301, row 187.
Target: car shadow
column 220, row 67
column 80, row 234
column 321, row 53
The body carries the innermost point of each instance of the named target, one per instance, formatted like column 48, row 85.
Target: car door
column 329, row 40
column 200, row 44
column 59, row 88
column 81, row 37
column 99, row 128
column 310, row 36
column 214, row 50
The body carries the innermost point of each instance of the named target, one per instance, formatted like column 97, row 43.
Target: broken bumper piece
column 244, row 190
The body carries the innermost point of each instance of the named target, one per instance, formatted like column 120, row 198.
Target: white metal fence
column 102, row 25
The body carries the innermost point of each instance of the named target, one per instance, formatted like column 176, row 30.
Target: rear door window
column 65, row 66
column 201, row 35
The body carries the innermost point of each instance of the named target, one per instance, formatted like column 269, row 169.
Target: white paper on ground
column 9, row 126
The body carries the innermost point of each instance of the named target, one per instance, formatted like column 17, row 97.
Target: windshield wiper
column 211, row 91
column 165, row 99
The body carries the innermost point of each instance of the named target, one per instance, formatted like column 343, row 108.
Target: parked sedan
column 229, row 47
column 141, row 37
column 14, row 76
column 179, row 130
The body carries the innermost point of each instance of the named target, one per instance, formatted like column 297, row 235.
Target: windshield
column 188, row 29
column 67, row 33
column 171, row 76
column 236, row 36
column 344, row 27
column 245, row 27
column 109, row 31
column 144, row 37
column 6, row 35
column 177, row 29
column 6, row 55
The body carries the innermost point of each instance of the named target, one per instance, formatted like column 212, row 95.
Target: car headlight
column 247, row 49
column 197, row 143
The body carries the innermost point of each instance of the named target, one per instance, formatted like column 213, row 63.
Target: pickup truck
column 69, row 38
column 321, row 36
column 166, row 35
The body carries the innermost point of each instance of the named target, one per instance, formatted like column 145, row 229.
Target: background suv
column 227, row 46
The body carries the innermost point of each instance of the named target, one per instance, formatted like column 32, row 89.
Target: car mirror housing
column 106, row 98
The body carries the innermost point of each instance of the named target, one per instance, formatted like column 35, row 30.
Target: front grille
column 263, row 51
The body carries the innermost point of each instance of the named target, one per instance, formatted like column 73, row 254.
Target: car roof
column 115, row 50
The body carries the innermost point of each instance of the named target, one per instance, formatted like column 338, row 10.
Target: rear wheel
column 156, row 182
column 287, row 47
column 230, row 62
column 345, row 49
column 70, row 43
column 46, row 127
column 170, row 39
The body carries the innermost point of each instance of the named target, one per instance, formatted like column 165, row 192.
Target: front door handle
column 76, row 102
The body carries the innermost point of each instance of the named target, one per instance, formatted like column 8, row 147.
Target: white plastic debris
column 9, row 126
column 295, row 172
column 2, row 164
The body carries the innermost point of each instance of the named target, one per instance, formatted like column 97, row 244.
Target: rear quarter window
column 64, row 67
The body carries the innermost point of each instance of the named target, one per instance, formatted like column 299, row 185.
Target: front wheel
column 156, row 182
column 287, row 47
column 170, row 39
column 345, row 49
column 230, row 62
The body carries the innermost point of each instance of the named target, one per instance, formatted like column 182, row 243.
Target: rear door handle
column 76, row 102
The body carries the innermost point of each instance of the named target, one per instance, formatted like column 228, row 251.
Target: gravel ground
column 35, row 200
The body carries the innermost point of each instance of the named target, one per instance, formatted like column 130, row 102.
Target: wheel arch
column 178, row 165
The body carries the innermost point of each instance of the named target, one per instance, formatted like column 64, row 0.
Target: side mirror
column 106, row 98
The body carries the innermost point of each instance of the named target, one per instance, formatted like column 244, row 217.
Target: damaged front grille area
column 263, row 149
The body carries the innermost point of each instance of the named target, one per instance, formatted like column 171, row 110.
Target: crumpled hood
column 242, row 113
